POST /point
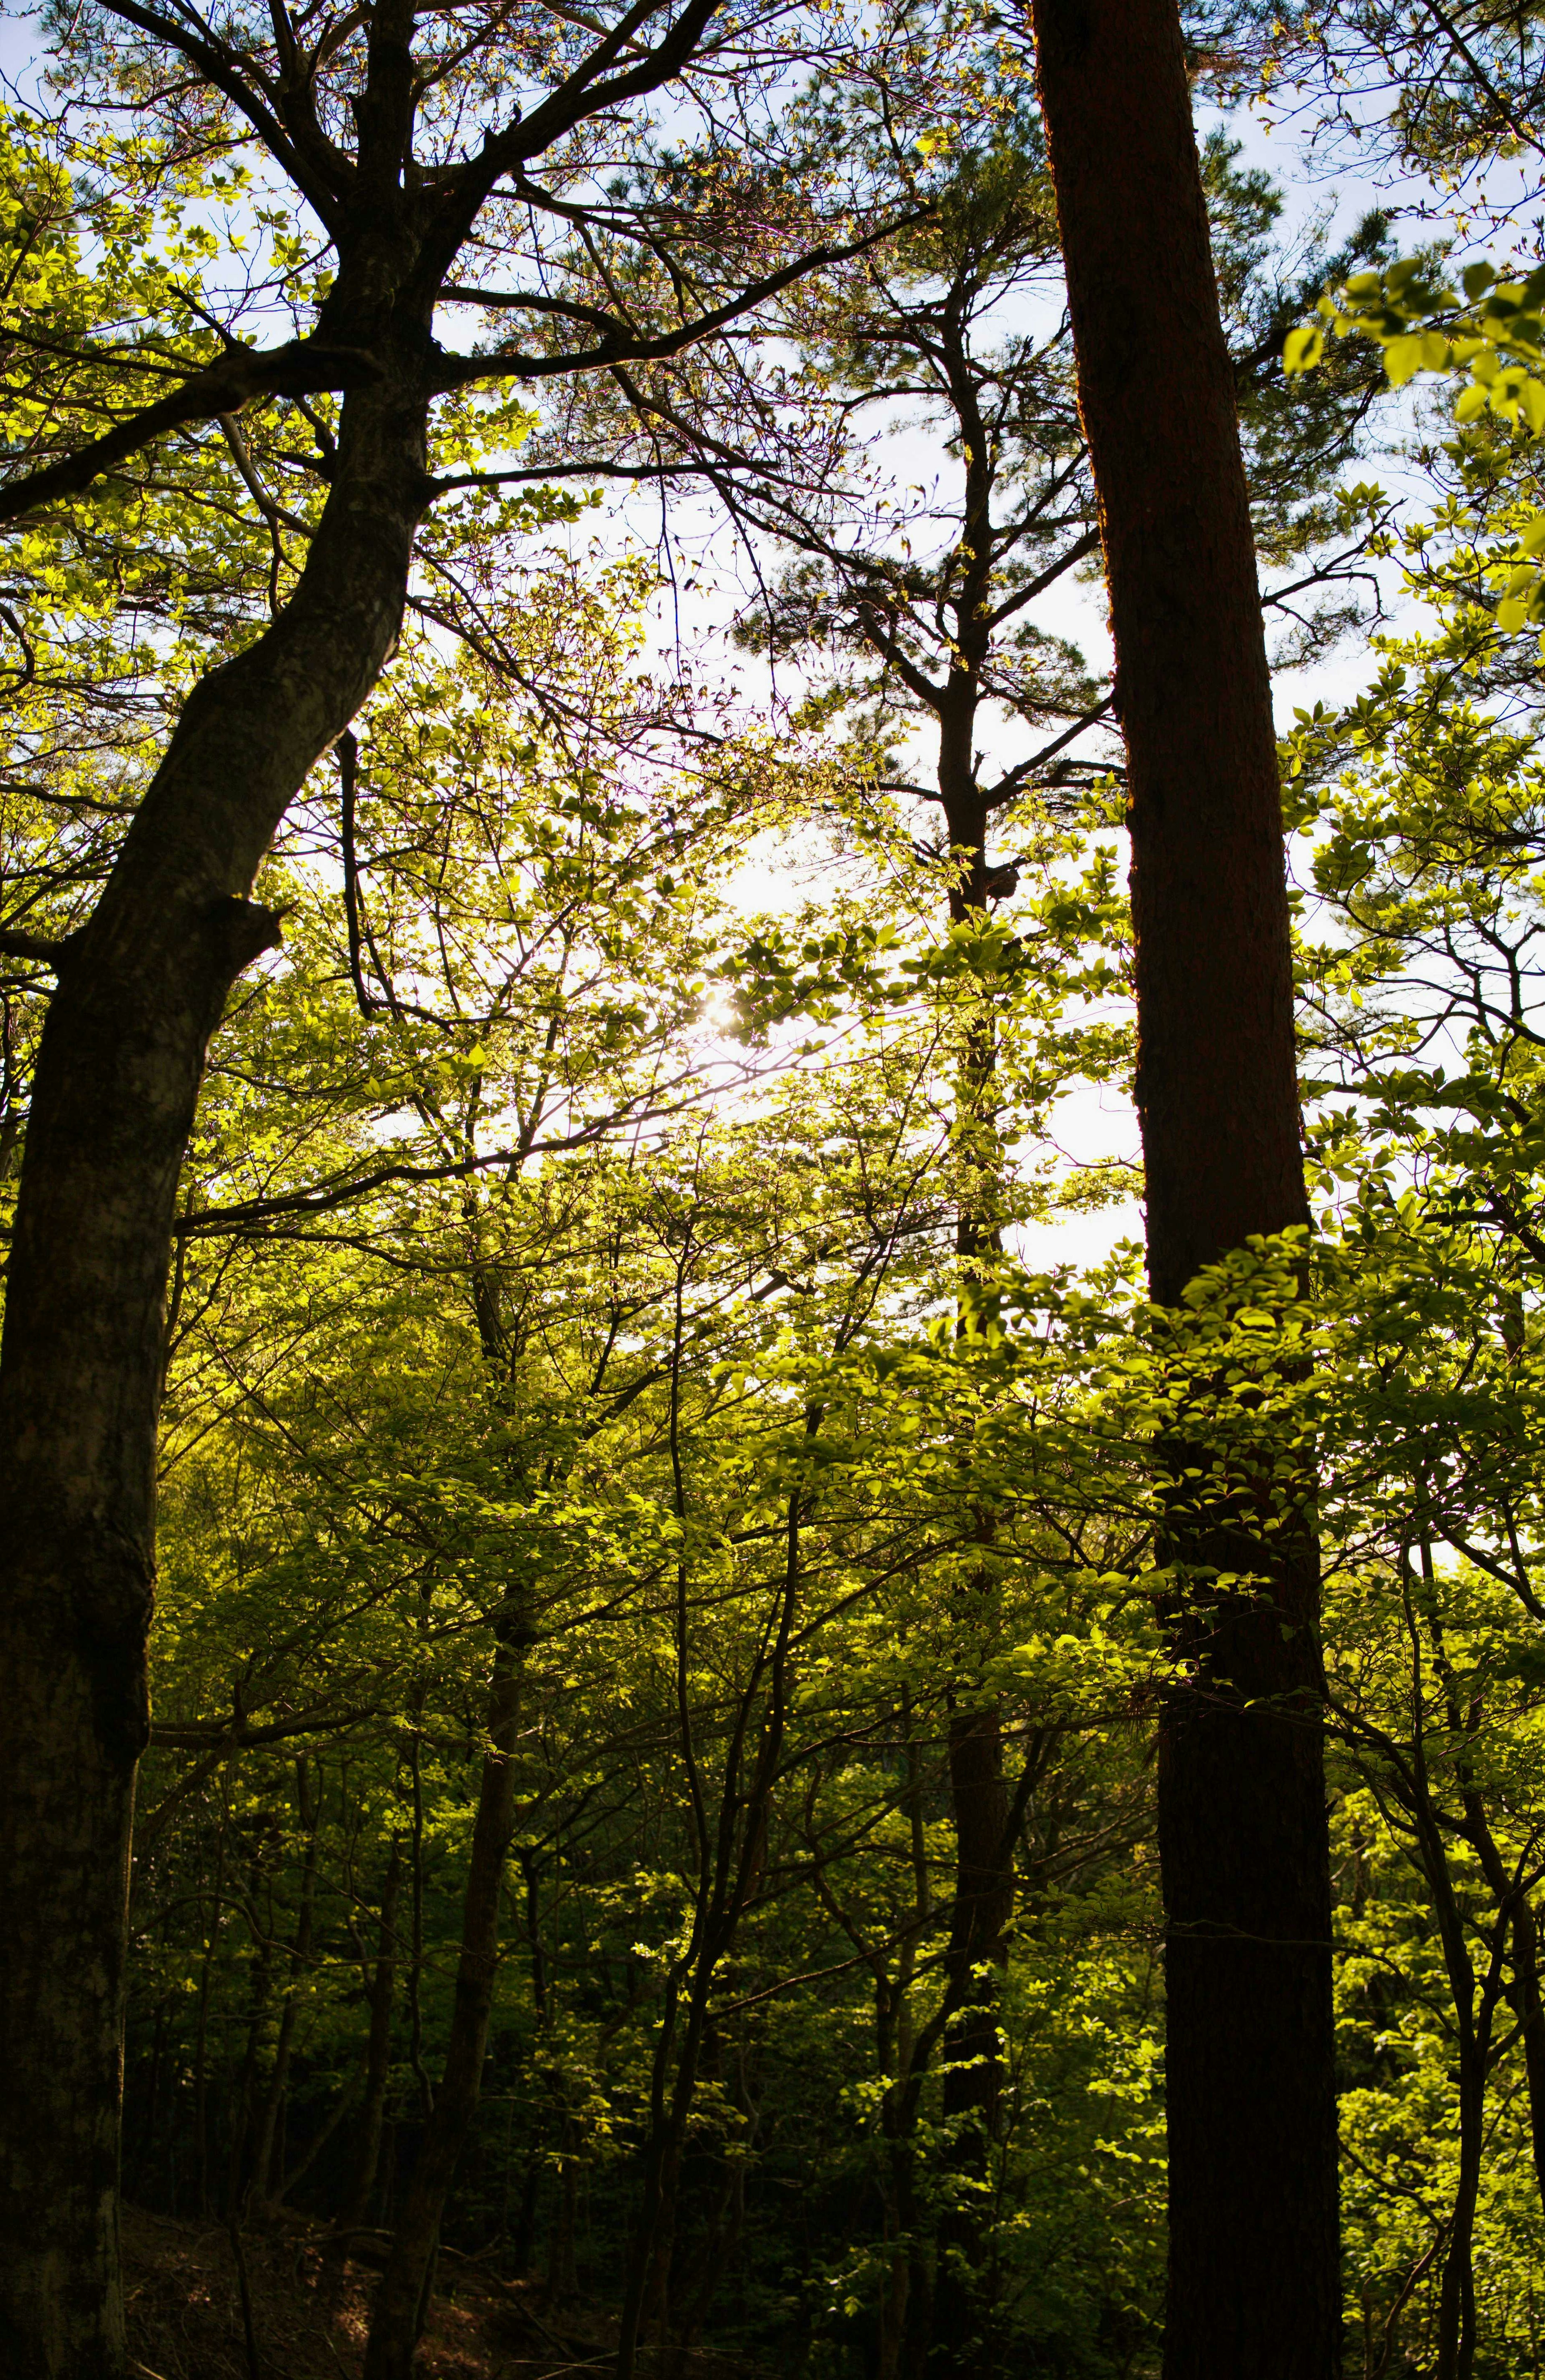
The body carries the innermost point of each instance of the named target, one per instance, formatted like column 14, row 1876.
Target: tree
column 1254, row 2269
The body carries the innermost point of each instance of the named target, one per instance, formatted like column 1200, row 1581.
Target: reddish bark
column 1254, row 2279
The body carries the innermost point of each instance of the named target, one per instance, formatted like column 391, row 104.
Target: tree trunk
column 904, row 2349
column 1254, row 2278
column 241, row 2112
column 402, row 2301
column 268, row 2158
column 1524, row 1996
column 378, row 2053
column 972, row 2061
column 1531, row 2018
column 955, row 2308
column 200, row 2038
column 141, row 990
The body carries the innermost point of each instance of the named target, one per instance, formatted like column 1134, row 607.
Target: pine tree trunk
column 957, row 2308
column 1254, row 2278
column 141, row 990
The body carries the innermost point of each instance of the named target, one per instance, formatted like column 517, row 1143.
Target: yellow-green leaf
column 1303, row 348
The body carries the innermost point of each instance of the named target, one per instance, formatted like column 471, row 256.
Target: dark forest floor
column 309, row 2313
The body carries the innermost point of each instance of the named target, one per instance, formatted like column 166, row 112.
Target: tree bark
column 402, row 2301
column 1254, row 2278
column 141, row 990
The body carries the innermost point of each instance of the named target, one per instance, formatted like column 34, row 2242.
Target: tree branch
column 626, row 346
column 295, row 370
column 17, row 945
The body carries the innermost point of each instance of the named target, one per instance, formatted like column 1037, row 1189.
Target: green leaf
column 1303, row 348
column 1404, row 357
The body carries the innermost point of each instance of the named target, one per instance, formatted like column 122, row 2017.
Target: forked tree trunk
column 1508, row 1891
column 1254, row 2279
column 141, row 990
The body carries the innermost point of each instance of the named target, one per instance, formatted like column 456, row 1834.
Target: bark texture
column 1254, row 2279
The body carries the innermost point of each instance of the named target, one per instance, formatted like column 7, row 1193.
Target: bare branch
column 626, row 345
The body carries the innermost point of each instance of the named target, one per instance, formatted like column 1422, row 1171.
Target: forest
column 772, row 1187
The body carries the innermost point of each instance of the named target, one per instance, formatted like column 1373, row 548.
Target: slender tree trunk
column 1254, row 2270
column 241, row 2111
column 1509, row 1895
column 140, row 2160
column 200, row 2040
column 141, row 990
column 960, row 2343
column 911, row 2291
column 891, row 2326
column 562, row 2282
column 378, row 2053
column 972, row 2061
column 957, row 2340
column 729, row 1868
column 402, row 2301
column 268, row 2154
column 720, row 2250
column 1475, row 2011
column 1457, row 2296
column 1531, row 2016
